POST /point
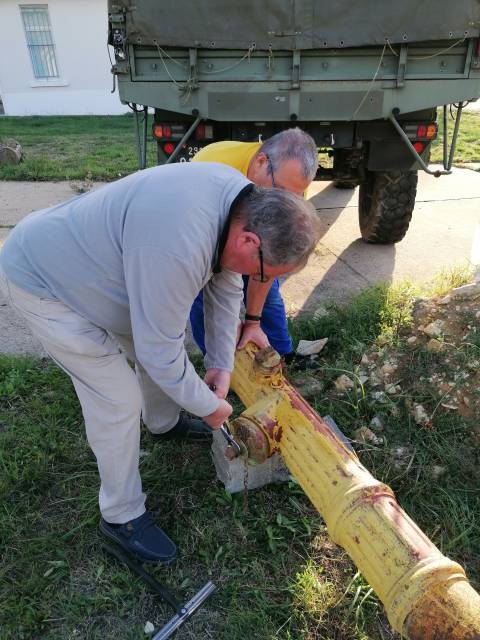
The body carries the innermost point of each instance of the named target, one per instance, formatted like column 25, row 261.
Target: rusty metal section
column 447, row 614
column 250, row 435
column 426, row 595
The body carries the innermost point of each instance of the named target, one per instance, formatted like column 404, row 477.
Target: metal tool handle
column 186, row 611
column 132, row 564
column 231, row 440
column 226, row 433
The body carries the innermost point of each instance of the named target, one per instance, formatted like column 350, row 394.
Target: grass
column 73, row 147
column 468, row 142
column 278, row 574
column 103, row 147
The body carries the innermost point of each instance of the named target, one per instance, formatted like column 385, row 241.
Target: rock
column 471, row 290
column 374, row 379
column 388, row 369
column 376, row 424
column 379, row 396
column 412, row 340
column 310, row 347
column 232, row 472
column 434, row 329
column 437, row 471
column 362, row 378
column 401, row 452
column 452, row 407
column 10, row 152
column 343, row 383
column 308, row 385
column 434, row 346
column 148, row 629
column 420, row 415
column 365, row 359
column 392, row 389
column 366, row 435
column 445, row 300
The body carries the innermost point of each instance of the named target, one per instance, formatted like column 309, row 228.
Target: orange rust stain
column 376, row 494
column 269, row 425
column 427, row 622
column 317, row 423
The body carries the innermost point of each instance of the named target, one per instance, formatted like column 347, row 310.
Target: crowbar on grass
column 182, row 611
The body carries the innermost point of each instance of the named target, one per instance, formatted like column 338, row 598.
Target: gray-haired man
column 122, row 265
column 288, row 160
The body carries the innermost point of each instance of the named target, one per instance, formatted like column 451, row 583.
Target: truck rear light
column 204, row 132
column 162, row 131
column 168, row 147
column 424, row 131
column 168, row 131
column 418, row 146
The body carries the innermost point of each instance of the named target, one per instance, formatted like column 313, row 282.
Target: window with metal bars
column 41, row 47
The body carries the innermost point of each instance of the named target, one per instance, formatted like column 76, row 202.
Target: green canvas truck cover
column 295, row 24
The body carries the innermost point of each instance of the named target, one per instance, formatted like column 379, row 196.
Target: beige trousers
column 111, row 394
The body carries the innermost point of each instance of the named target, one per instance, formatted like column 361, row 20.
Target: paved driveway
column 445, row 231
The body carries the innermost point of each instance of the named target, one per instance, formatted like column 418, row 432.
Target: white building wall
column 79, row 29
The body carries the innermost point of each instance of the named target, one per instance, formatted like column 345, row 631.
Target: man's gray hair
column 292, row 144
column 287, row 225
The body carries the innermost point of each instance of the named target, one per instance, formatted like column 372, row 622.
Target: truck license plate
column 188, row 152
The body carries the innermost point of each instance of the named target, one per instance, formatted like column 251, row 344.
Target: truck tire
column 385, row 205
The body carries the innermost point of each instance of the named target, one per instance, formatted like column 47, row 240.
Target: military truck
column 364, row 78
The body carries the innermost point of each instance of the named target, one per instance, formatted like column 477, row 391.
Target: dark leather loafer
column 187, row 428
column 142, row 538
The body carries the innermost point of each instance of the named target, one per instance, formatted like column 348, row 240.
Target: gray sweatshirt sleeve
column 222, row 297
column 161, row 288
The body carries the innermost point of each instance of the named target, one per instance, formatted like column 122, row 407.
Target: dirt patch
column 447, row 331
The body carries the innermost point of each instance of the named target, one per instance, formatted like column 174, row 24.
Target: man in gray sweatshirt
column 113, row 273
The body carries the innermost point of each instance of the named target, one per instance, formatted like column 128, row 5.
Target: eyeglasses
column 270, row 171
column 260, row 277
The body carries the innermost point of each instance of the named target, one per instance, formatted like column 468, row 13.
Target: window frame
column 43, row 54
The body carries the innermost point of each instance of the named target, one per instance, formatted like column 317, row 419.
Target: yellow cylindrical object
column 426, row 595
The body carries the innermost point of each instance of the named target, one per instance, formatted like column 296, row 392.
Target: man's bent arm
column 222, row 297
column 257, row 293
column 251, row 331
column 161, row 289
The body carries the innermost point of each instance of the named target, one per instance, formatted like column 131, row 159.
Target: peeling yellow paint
column 426, row 595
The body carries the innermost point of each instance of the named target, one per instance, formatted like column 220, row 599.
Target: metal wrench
column 231, row 440
column 227, row 435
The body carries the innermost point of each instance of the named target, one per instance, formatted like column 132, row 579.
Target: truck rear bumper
column 315, row 102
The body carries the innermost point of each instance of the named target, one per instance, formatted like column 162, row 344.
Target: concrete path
column 445, row 231
column 442, row 234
